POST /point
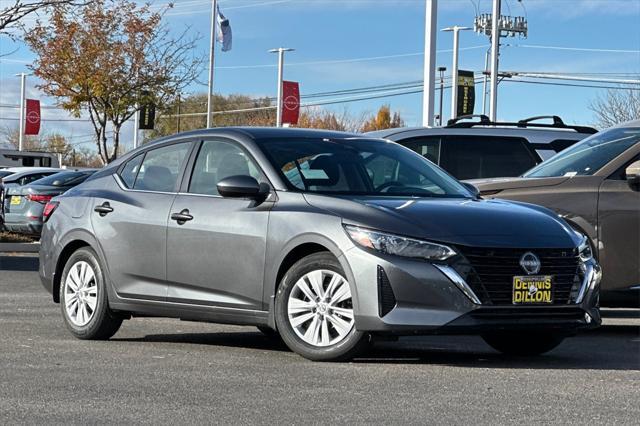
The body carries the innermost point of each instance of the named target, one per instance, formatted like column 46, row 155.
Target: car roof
column 632, row 123
column 257, row 133
column 25, row 171
column 533, row 135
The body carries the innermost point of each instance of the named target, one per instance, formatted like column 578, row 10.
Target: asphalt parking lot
column 167, row 371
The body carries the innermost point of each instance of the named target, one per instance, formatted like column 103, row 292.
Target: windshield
column 358, row 167
column 588, row 156
column 64, row 179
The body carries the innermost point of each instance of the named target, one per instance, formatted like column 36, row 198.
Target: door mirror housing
column 632, row 173
column 472, row 188
column 241, row 186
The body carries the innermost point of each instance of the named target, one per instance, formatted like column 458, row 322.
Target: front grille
column 490, row 271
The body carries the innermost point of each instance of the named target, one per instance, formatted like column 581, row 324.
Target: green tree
column 108, row 57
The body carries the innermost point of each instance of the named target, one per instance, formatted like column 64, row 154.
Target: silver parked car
column 327, row 238
column 24, row 205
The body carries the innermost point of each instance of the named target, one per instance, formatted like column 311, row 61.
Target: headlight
column 397, row 245
column 584, row 249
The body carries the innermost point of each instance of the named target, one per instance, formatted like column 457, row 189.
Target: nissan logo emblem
column 530, row 263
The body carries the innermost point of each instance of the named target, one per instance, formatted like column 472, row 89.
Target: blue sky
column 327, row 30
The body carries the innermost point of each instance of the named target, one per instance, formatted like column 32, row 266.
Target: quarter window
column 160, row 168
column 218, row 160
column 130, row 170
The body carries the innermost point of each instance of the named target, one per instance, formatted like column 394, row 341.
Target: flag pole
column 23, row 78
column 280, row 51
column 214, row 13
column 429, row 82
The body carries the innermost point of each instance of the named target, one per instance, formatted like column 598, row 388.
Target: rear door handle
column 182, row 217
column 103, row 209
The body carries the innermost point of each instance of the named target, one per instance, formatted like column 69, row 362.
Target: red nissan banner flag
column 290, row 102
column 32, row 122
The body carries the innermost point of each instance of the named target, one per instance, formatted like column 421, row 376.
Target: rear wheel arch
column 64, row 256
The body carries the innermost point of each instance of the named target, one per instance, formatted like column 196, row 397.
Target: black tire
column 350, row 346
column 523, row 344
column 103, row 323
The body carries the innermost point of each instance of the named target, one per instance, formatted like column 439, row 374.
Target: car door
column 130, row 216
column 619, row 230
column 217, row 258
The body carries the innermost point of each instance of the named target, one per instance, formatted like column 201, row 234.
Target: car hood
column 500, row 184
column 480, row 223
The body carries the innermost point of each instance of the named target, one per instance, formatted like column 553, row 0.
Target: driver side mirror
column 242, row 186
column 472, row 188
column 632, row 174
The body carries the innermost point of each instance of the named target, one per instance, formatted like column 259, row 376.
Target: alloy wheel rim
column 320, row 308
column 81, row 293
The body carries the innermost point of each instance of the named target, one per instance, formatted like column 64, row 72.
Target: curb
column 19, row 247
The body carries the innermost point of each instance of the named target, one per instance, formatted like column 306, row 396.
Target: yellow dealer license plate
column 531, row 290
column 15, row 200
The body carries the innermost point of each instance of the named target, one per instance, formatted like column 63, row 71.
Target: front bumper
column 417, row 297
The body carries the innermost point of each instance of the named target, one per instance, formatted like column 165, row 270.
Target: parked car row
column 24, row 192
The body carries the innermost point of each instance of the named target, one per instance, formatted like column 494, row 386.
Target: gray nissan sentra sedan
column 330, row 240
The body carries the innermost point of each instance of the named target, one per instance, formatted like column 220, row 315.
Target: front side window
column 160, row 168
column 588, row 156
column 358, row 167
column 474, row 157
column 216, row 161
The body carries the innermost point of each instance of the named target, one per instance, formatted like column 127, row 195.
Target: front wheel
column 83, row 298
column 524, row 343
column 314, row 311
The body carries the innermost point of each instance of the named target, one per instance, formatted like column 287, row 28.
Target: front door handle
column 182, row 217
column 103, row 209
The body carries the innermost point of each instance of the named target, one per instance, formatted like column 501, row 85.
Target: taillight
column 39, row 198
column 49, row 209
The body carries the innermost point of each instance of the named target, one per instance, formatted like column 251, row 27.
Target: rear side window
column 428, row 147
column 160, row 168
column 473, row 157
column 130, row 171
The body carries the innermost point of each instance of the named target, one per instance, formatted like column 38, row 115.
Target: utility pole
column 280, row 51
column 454, row 70
column 212, row 62
column 441, row 70
column 431, row 23
column 484, row 82
column 23, row 78
column 495, row 51
column 496, row 26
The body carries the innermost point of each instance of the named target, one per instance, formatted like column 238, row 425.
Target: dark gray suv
column 328, row 239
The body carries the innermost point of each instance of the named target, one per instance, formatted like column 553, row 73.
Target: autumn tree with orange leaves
column 107, row 57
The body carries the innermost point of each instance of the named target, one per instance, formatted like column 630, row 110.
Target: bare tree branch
column 616, row 106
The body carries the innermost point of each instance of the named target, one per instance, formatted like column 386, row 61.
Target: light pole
column 441, row 70
column 212, row 61
column 23, row 78
column 431, row 23
column 454, row 70
column 280, row 51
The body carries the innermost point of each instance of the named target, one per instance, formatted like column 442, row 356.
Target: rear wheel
column 83, row 298
column 523, row 344
column 314, row 311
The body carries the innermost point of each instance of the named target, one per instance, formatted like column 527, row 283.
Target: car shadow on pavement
column 19, row 263
column 614, row 347
column 249, row 340
column 608, row 348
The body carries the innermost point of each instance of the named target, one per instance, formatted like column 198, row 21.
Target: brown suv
column 595, row 186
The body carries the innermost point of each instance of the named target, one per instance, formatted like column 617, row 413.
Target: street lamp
column 441, row 70
column 454, row 69
column 280, row 51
